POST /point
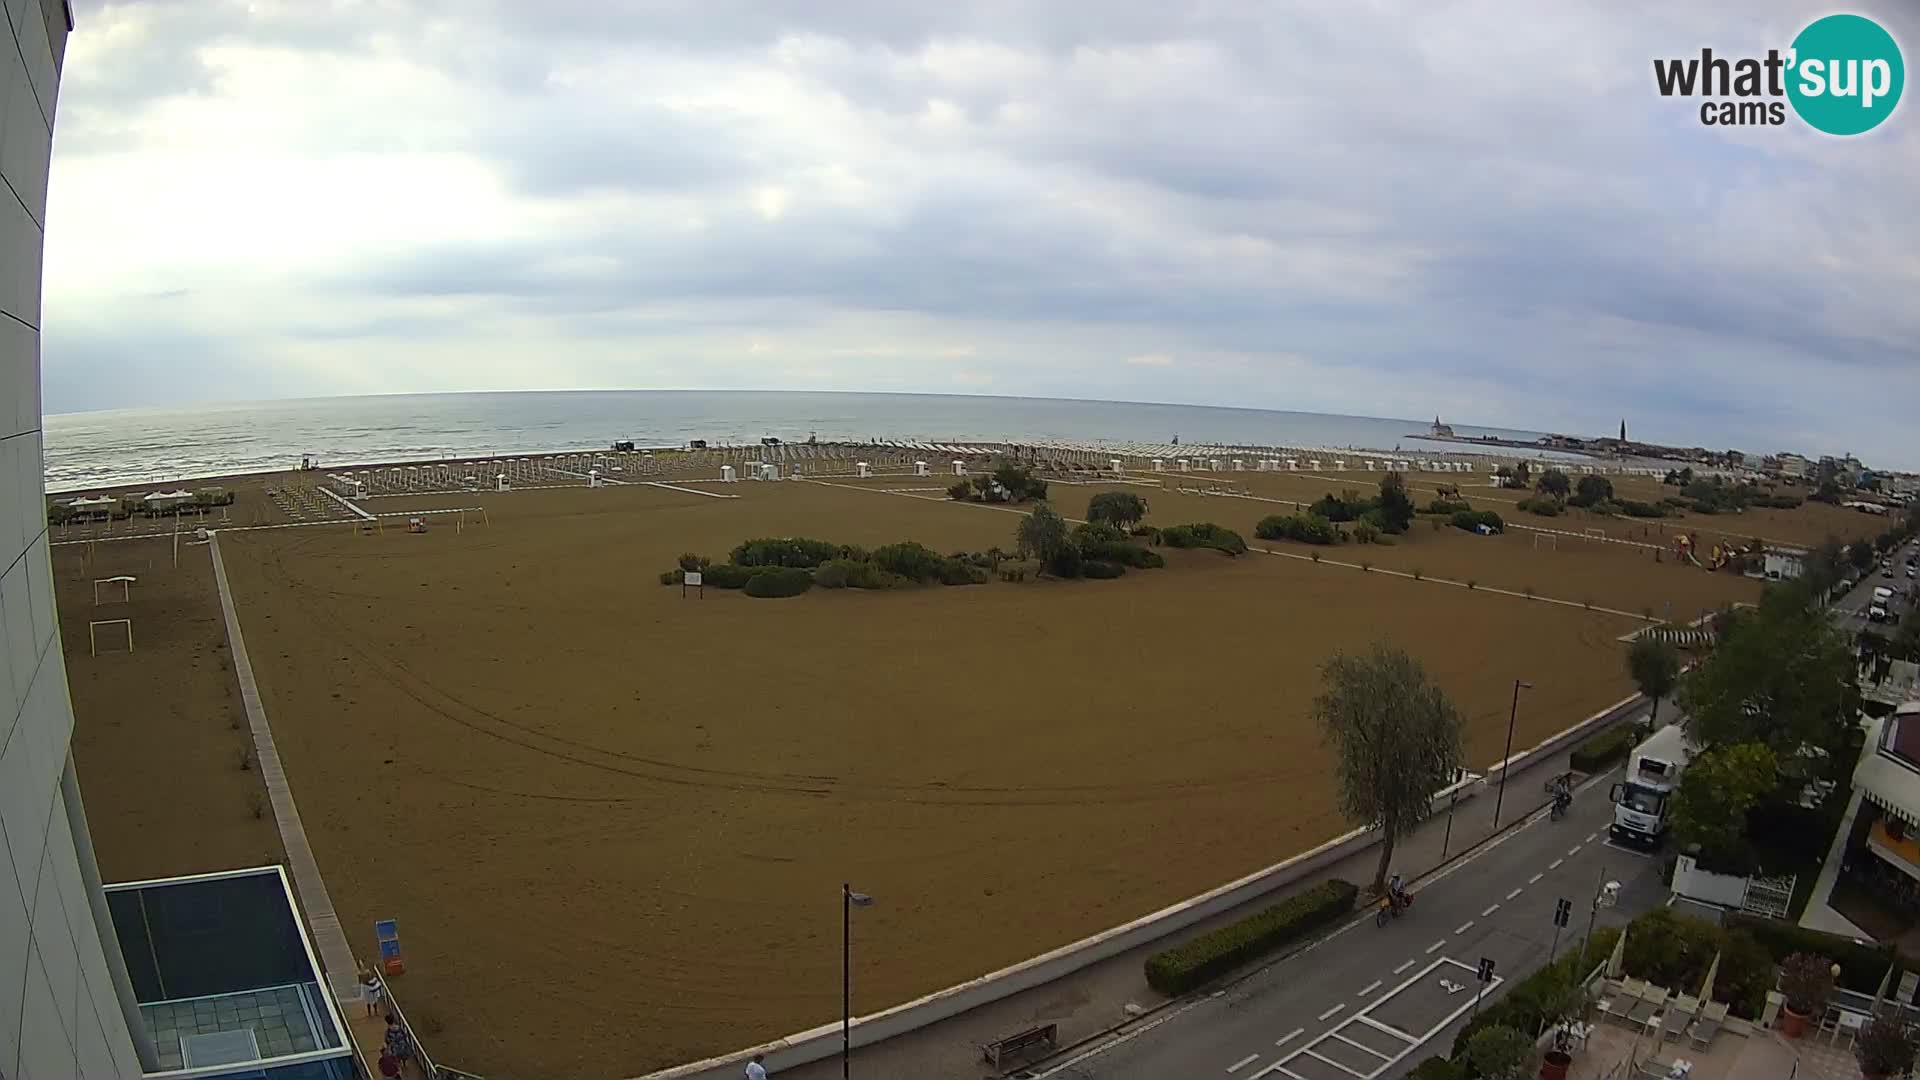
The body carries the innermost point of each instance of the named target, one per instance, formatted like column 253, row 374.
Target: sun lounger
column 1705, row 1028
column 1674, row 1024
column 1652, row 1002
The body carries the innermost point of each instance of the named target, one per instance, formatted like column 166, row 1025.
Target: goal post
column 125, row 581
column 93, row 633
column 1546, row 540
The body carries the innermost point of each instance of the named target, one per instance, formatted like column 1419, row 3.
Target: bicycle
column 1391, row 907
column 1560, row 790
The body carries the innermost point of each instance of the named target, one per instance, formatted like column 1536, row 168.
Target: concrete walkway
column 1820, row 914
column 1113, row 992
column 328, row 937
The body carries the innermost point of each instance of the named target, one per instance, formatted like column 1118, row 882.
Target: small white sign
column 693, row 577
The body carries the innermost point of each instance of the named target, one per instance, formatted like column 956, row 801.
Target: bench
column 1046, row 1035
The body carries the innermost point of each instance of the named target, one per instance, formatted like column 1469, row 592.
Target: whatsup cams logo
column 1842, row 75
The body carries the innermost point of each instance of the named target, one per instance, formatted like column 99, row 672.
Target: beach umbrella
column 1617, row 963
column 1886, row 983
column 1706, row 986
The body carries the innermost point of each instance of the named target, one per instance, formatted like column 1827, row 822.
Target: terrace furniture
column 1673, row 1026
column 1045, row 1036
column 1616, row 1007
column 1846, row 1022
column 1704, row 1029
column 1652, row 1002
column 1677, row 1069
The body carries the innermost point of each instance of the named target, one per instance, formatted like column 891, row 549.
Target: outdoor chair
column 1651, row 1004
column 1712, row 1015
column 1673, row 1025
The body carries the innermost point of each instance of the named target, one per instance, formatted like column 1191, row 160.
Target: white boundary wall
column 814, row 1044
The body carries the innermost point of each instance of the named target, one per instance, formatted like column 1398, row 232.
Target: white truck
column 1882, row 604
column 1643, row 802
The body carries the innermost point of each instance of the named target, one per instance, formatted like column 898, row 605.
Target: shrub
column 1438, row 1068
column 1121, row 508
column 1447, row 506
column 1204, row 534
column 1100, row 568
column 1347, row 506
column 1539, row 998
column 1306, row 528
column 672, row 577
column 1151, row 534
column 1314, row 555
column 1807, row 981
column 855, row 574
column 780, row 581
column 784, row 551
column 1417, row 573
column 1366, row 532
column 1633, row 508
column 1126, row 554
column 1472, row 584
column 960, row 491
column 690, row 561
column 1471, row 520
column 731, row 575
column 1541, row 505
column 1066, row 562
column 1886, row 1045
column 1498, row 1052
column 1190, row 964
column 915, row 562
column 1094, row 534
column 959, row 572
column 1861, row 966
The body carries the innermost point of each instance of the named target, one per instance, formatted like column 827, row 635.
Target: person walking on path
column 399, row 1044
column 371, row 992
column 755, row 1069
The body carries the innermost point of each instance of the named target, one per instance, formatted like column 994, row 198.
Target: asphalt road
column 1850, row 611
column 1370, row 1003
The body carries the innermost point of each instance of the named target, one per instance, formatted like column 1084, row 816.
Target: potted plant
column 1886, row 1047
column 1559, row 1002
column 1806, row 981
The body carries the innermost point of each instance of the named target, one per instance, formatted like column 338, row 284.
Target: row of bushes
column 788, row 566
column 1190, row 964
column 1604, row 750
column 1543, row 505
column 1447, row 507
column 1541, row 997
column 1204, row 534
column 1861, row 966
column 1635, row 508
column 1471, row 520
column 1305, row 528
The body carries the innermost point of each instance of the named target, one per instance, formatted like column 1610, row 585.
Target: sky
column 1472, row 208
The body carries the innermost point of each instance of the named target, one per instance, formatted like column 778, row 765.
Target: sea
column 135, row 446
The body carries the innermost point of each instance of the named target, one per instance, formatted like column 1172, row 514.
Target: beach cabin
column 1159, row 464
column 920, row 469
column 167, row 502
column 94, row 508
column 726, row 474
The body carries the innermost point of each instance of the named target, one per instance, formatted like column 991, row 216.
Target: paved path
column 1107, row 996
column 1372, row 1002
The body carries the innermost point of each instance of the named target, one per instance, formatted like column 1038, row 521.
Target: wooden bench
column 1047, row 1035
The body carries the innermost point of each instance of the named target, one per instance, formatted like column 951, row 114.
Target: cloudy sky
column 1369, row 206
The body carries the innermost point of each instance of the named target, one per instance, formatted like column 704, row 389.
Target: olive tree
column 1120, row 508
column 1397, row 738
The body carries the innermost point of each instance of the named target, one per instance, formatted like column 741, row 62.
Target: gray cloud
column 1331, row 207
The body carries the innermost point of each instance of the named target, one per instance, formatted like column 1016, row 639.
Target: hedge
column 1204, row 534
column 732, row 575
column 783, row 551
column 1306, row 528
column 780, row 581
column 856, row 574
column 1599, row 753
column 1182, row 968
column 1633, row 508
column 1438, row 1068
column 1099, row 568
column 1543, row 505
column 1470, row 520
column 916, row 562
column 1521, row 1006
column 1861, row 966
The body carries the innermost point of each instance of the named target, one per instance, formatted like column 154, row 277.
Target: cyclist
column 1562, row 794
column 1397, row 892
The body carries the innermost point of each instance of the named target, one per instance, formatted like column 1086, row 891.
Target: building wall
column 59, row 1014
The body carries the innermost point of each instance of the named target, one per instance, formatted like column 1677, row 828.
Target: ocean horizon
column 114, row 447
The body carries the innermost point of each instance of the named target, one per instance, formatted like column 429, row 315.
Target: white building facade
column 64, row 998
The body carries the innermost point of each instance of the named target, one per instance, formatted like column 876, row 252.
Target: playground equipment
column 416, row 525
column 1683, row 548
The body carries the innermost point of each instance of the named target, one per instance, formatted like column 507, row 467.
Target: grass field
column 612, row 822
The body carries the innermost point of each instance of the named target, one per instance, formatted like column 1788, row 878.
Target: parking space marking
column 1350, row 1072
column 1243, row 1063
column 1410, row 1042
column 1360, row 1046
column 1369, row 988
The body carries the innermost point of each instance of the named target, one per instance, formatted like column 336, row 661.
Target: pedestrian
column 389, row 1066
column 371, row 992
column 755, row 1069
column 399, row 1043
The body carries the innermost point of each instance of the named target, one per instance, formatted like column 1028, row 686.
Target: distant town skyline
column 1215, row 205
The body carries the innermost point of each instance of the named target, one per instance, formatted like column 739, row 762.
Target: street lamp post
column 848, row 901
column 1512, row 714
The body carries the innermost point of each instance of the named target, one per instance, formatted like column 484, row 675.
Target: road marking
column 1464, row 927
column 1350, row 1072
column 1243, row 1063
column 1574, row 850
column 1331, row 1011
column 1555, row 864
column 1535, row 878
column 1289, row 1036
column 1590, row 836
column 1491, row 908
column 1515, row 893
column 1372, row 986
column 1388, row 1058
column 1441, row 944
column 1404, row 966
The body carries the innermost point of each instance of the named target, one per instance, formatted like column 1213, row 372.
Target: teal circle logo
column 1846, row 74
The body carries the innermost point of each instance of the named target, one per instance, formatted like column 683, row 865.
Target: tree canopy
column 1395, row 505
column 1782, row 676
column 1121, row 508
column 1655, row 666
column 1396, row 737
column 1716, row 791
column 1041, row 535
column 1591, row 491
column 1555, row 483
